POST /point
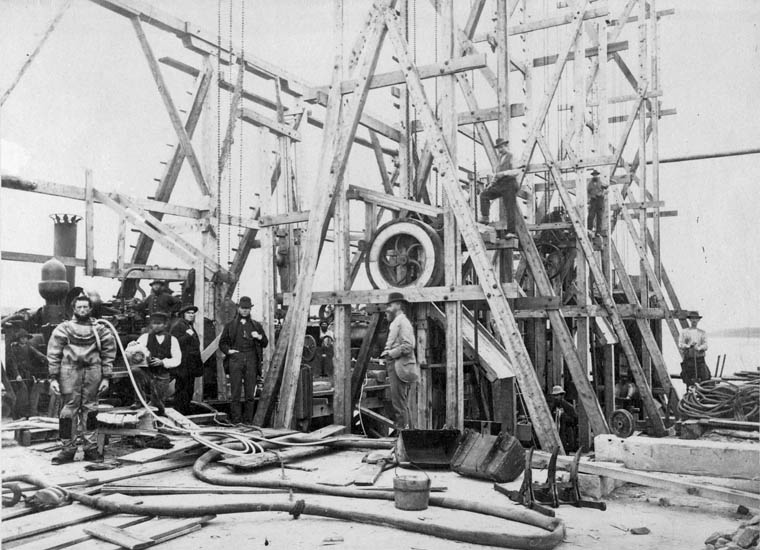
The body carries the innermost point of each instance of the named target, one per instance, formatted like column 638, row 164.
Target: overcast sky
column 89, row 101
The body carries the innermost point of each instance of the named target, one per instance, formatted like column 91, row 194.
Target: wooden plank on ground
column 156, row 531
column 118, row 536
column 51, row 520
column 181, row 446
column 69, row 536
column 181, row 420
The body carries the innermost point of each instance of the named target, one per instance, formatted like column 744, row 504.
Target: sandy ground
column 683, row 523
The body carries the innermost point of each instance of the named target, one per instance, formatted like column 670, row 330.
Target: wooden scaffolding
column 566, row 82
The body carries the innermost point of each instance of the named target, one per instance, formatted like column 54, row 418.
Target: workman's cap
column 557, row 390
column 594, row 172
column 500, row 142
column 159, row 316
column 157, row 282
column 245, row 302
column 190, row 308
column 22, row 334
column 396, row 297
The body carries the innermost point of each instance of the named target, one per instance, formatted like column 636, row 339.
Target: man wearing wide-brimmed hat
column 191, row 366
column 242, row 342
column 403, row 370
column 159, row 299
column 502, row 187
column 596, row 191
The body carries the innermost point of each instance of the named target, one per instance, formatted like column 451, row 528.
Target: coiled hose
column 722, row 399
column 544, row 541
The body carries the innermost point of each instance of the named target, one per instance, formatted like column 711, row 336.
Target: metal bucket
column 411, row 492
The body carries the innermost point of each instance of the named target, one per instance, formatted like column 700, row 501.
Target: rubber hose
column 502, row 540
column 553, row 525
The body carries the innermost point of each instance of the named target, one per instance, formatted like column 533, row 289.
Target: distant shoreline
column 744, row 332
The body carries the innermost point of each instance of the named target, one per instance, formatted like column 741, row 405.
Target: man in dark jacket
column 27, row 368
column 159, row 299
column 191, row 365
column 242, row 342
column 503, row 187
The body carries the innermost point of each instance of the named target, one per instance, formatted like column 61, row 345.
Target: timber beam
column 133, row 271
column 391, row 202
column 411, row 294
column 393, row 78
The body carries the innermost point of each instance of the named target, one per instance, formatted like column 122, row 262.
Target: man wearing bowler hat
column 596, row 191
column 503, row 187
column 403, row 371
column 191, row 366
column 242, row 342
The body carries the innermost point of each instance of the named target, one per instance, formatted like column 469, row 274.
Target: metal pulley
column 622, row 423
column 405, row 253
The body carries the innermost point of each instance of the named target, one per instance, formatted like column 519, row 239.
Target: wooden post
column 199, row 301
column 266, row 236
column 643, row 79
column 341, row 269
column 451, row 240
column 121, row 244
column 89, row 225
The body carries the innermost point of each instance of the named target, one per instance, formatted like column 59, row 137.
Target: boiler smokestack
column 65, row 241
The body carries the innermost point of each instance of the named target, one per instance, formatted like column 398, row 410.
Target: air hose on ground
column 722, row 399
column 547, row 541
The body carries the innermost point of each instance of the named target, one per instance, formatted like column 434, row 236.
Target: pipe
column 546, row 541
column 702, row 156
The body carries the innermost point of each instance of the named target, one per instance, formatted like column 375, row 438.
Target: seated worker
column 624, row 388
column 159, row 299
column 165, row 354
column 693, row 345
column 504, row 187
column 596, row 191
column 565, row 418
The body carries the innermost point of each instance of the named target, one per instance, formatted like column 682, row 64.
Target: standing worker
column 565, row 417
column 596, row 192
column 403, row 371
column 504, row 187
column 80, row 358
column 165, row 355
column 191, row 366
column 27, row 369
column 242, row 342
column 693, row 345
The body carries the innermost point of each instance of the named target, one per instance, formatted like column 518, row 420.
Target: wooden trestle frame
column 593, row 40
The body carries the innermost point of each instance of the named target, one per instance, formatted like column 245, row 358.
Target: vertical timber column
column 608, row 368
column 646, row 360
column 655, row 154
column 404, row 144
column 266, row 236
column 213, row 294
column 199, row 300
column 504, row 398
column 342, row 271
column 581, row 267
column 452, row 240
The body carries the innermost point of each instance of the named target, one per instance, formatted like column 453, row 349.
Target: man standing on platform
column 693, row 345
column 165, row 354
column 596, row 191
column 191, row 366
column 80, row 358
column 159, row 299
column 403, row 370
column 503, row 187
column 242, row 342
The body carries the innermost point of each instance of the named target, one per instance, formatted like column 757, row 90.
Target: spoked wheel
column 309, row 348
column 622, row 423
column 404, row 253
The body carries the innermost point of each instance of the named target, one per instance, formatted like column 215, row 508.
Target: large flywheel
column 405, row 253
